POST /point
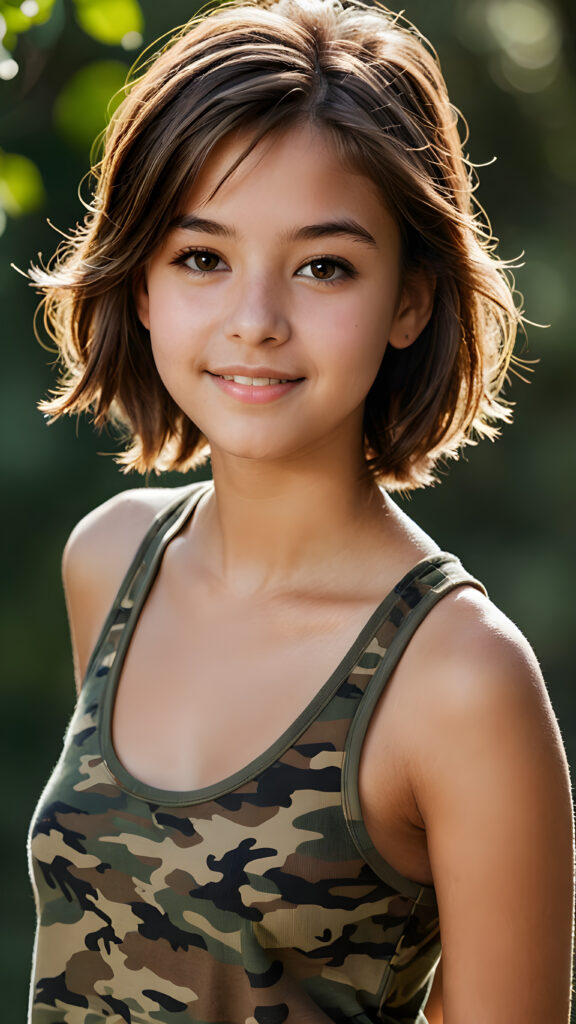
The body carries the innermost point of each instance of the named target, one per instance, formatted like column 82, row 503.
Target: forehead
column 293, row 174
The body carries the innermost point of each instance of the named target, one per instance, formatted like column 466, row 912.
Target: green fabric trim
column 443, row 573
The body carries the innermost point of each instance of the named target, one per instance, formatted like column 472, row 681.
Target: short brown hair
column 374, row 85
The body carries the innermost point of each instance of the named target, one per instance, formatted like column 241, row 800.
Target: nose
column 258, row 313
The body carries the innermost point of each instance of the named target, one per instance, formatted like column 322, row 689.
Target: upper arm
column 492, row 787
column 96, row 558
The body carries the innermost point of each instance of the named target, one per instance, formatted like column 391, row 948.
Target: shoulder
column 97, row 556
column 129, row 510
column 475, row 658
column 476, row 679
column 118, row 525
column 468, row 708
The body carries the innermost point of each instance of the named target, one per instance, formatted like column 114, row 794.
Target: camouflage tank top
column 257, row 900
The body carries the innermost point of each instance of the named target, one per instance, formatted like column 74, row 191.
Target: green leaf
column 80, row 111
column 109, row 21
column 21, row 186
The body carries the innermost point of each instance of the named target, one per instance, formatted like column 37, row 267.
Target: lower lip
column 254, row 394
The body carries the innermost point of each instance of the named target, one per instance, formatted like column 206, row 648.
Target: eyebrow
column 190, row 222
column 346, row 227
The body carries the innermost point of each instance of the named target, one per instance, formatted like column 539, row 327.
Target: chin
column 254, row 454
column 255, row 450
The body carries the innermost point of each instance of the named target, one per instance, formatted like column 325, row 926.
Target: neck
column 271, row 525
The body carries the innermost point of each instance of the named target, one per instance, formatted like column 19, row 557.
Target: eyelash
column 337, row 261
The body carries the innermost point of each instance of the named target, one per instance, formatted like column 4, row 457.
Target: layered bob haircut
column 375, row 87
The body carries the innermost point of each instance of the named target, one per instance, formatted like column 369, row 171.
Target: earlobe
column 142, row 301
column 414, row 308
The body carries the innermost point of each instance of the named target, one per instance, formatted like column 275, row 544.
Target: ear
column 142, row 301
column 414, row 307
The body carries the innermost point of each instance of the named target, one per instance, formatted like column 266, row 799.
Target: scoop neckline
column 165, row 797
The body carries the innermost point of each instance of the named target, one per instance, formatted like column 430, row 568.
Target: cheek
column 176, row 324
column 166, row 308
column 354, row 337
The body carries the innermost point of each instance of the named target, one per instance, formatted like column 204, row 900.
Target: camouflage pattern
column 255, row 901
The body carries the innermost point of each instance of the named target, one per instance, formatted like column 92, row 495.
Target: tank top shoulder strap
column 405, row 609
column 142, row 570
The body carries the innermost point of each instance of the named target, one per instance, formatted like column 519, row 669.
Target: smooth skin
column 463, row 778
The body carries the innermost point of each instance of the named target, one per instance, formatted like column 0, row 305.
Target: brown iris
column 322, row 268
column 205, row 260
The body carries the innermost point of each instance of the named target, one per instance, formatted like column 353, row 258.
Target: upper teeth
column 258, row 382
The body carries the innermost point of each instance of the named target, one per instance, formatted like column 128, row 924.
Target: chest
column 209, row 685
column 209, row 682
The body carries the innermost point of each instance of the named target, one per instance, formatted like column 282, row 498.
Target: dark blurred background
column 507, row 509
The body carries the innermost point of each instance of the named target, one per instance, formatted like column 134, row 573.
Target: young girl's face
column 271, row 302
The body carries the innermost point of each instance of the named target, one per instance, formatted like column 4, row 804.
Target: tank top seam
column 138, row 565
column 384, row 989
column 418, row 892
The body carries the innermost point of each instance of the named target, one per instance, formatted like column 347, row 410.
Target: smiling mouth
column 256, row 382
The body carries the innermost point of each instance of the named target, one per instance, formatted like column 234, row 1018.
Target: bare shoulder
column 116, row 527
column 104, row 542
column 97, row 556
column 472, row 660
column 478, row 685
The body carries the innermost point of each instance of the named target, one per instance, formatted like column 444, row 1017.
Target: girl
column 306, row 747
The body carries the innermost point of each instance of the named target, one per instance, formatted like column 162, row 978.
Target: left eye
column 323, row 270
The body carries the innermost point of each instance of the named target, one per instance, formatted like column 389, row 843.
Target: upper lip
column 253, row 371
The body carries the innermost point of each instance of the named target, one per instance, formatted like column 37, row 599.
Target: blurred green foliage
column 21, row 187
column 508, row 510
column 21, row 17
column 81, row 106
column 83, row 103
column 110, row 21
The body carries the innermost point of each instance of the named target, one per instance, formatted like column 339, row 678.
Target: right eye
column 203, row 261
column 198, row 261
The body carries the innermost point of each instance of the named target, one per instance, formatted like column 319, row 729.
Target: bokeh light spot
column 29, row 8
column 526, row 30
column 132, row 40
column 514, row 78
column 8, row 69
